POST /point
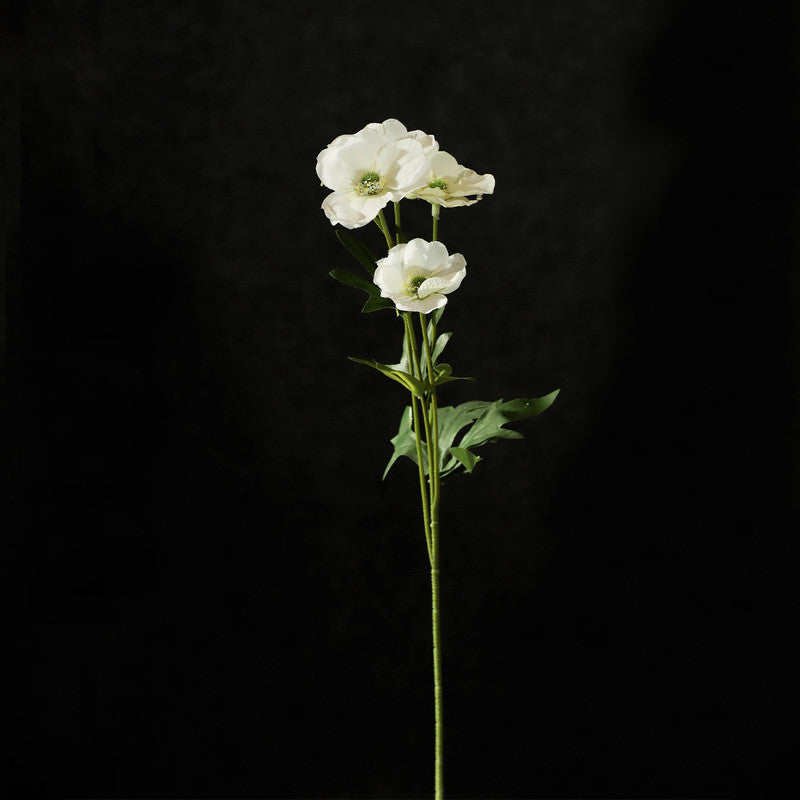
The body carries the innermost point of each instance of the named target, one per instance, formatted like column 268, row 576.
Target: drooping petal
column 425, row 306
column 348, row 209
column 451, row 184
column 469, row 182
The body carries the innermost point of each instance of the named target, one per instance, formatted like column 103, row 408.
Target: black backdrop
column 218, row 595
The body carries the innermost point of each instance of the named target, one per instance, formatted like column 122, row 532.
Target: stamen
column 371, row 183
column 414, row 284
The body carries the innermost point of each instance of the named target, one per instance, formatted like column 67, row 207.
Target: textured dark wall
column 219, row 595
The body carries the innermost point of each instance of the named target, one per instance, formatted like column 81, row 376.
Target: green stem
column 435, row 211
column 438, row 749
column 398, row 228
column 418, row 413
column 435, row 486
column 380, row 221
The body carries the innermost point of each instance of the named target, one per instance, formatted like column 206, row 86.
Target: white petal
column 402, row 163
column 436, row 255
column 339, row 168
column 469, row 182
column 389, row 278
column 372, row 204
column 414, row 254
column 393, row 129
column 428, row 142
column 347, row 209
column 454, row 281
column 443, row 165
column 431, row 285
column 455, row 263
column 452, row 202
column 425, row 306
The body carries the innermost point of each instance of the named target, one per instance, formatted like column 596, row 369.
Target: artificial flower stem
column 398, row 228
column 438, row 779
column 435, row 210
column 417, row 413
column 435, row 480
column 380, row 221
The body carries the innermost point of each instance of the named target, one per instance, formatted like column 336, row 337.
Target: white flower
column 450, row 184
column 380, row 164
column 417, row 276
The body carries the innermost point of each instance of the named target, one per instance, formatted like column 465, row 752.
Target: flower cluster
column 384, row 163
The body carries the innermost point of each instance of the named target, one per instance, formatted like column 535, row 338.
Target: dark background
column 218, row 596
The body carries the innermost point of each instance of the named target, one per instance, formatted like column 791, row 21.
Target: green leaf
column 489, row 427
column 362, row 253
column 351, row 279
column 441, row 342
column 467, row 459
column 486, row 420
column 405, row 444
column 405, row 360
column 522, row 408
column 451, row 422
column 374, row 302
column 404, row 378
column 444, row 374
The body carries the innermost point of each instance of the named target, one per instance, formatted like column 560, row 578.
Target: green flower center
column 414, row 284
column 438, row 183
column 370, row 183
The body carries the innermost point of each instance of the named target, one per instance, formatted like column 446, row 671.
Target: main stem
column 435, row 487
column 425, row 409
column 419, row 420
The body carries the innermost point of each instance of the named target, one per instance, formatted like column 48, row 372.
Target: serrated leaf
column 451, row 422
column 489, row 427
column 487, row 420
column 361, row 252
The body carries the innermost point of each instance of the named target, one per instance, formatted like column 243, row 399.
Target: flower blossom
column 367, row 170
column 451, row 184
column 417, row 276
